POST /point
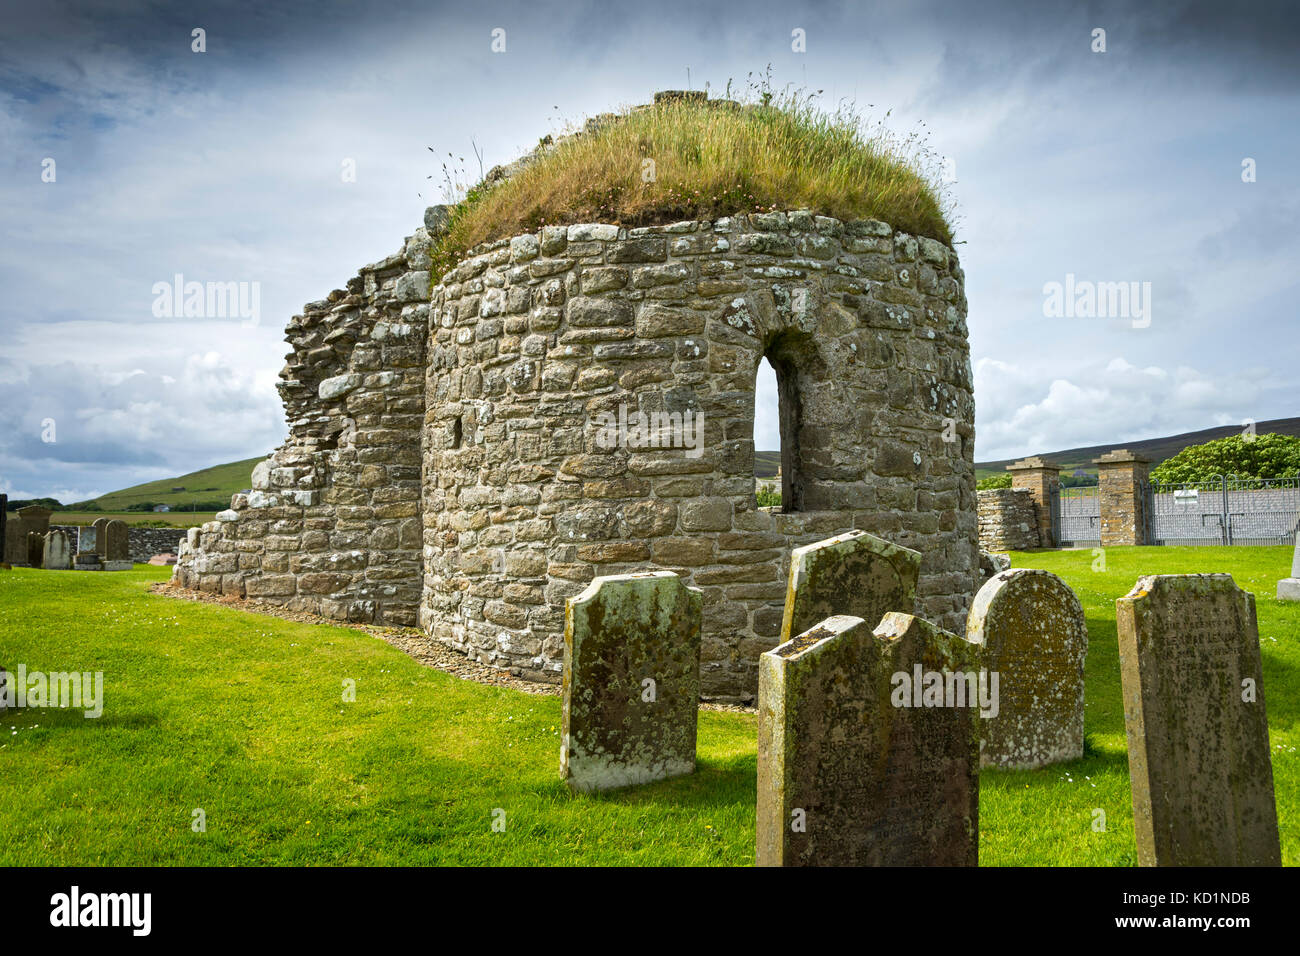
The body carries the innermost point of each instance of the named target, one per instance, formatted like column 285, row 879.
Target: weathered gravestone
column 853, row 573
column 57, row 556
column 1288, row 589
column 100, row 538
column 86, row 537
column 35, row 548
column 1035, row 637
column 4, row 526
column 631, row 681
column 117, row 548
column 32, row 519
column 15, row 541
column 854, row 767
column 35, row 519
column 1197, row 730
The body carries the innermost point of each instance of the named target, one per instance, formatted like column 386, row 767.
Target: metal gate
column 1225, row 510
column 1076, row 516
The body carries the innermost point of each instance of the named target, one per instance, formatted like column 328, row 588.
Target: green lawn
column 1044, row 817
column 242, row 716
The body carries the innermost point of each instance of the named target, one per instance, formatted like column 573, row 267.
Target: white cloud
column 1024, row 409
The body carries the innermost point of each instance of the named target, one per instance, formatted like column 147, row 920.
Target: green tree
column 1261, row 456
column 994, row 481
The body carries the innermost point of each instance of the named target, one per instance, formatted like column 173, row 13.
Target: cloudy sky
column 1116, row 166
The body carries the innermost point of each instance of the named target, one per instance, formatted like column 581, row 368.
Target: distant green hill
column 1157, row 449
column 766, row 463
column 215, row 484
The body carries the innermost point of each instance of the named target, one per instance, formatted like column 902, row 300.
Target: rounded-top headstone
column 100, row 536
column 1035, row 639
column 117, row 541
column 854, row 573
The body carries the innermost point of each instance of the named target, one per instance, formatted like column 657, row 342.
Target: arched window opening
column 767, row 437
column 778, row 420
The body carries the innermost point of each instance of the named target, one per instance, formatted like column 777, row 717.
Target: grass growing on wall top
column 710, row 160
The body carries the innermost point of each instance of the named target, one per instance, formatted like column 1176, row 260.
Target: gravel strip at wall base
column 409, row 640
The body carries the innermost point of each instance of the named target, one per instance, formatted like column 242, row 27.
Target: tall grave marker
column 57, row 556
column 631, row 681
column 1198, row 750
column 856, row 769
column 117, row 546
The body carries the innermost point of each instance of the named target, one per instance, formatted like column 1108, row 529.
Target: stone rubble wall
column 1008, row 519
column 533, row 338
column 332, row 523
column 143, row 543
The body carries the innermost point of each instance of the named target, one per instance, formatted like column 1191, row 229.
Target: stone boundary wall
column 143, row 543
column 1008, row 519
column 534, row 338
column 332, row 524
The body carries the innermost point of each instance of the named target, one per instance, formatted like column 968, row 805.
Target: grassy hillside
column 211, row 484
column 766, row 463
column 1157, row 449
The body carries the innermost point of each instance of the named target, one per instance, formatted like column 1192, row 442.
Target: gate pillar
column 1043, row 479
column 1122, row 478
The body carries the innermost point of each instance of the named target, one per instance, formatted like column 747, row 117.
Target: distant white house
column 161, row 508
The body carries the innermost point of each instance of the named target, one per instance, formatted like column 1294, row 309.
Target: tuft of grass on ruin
column 686, row 159
column 241, row 715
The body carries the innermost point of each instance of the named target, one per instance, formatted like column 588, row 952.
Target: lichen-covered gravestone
column 117, row 547
column 1198, row 748
column 854, row 573
column 1288, row 589
column 854, row 768
column 57, row 556
column 35, row 548
column 1035, row 637
column 86, row 537
column 631, row 681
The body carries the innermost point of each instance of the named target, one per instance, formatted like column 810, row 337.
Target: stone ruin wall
column 444, row 464
column 1008, row 519
column 535, row 337
column 332, row 523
